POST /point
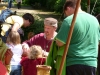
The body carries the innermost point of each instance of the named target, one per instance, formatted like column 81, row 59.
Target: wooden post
column 69, row 38
column 88, row 6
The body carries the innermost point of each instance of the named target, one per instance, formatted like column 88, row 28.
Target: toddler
column 34, row 58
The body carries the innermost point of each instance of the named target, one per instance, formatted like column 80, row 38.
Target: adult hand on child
column 8, row 56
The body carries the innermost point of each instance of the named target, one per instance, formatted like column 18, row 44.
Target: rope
column 94, row 6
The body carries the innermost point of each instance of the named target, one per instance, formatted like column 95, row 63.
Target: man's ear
column 55, row 28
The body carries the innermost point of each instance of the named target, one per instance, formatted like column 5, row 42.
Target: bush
column 59, row 5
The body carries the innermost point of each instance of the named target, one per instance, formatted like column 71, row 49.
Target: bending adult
column 17, row 22
column 43, row 39
column 82, row 54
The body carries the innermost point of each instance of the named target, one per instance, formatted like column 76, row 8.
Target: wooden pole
column 69, row 38
column 88, row 6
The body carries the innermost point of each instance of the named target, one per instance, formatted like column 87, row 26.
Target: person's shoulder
column 24, row 60
column 43, row 59
column 40, row 35
column 88, row 15
column 68, row 18
column 18, row 19
column 18, row 46
column 92, row 17
column 15, row 16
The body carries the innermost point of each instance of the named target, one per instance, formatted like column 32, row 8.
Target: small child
column 13, row 42
column 34, row 58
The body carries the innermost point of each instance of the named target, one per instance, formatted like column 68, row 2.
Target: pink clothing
column 29, row 65
column 40, row 39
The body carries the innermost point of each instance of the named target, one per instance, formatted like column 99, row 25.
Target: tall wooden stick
column 69, row 38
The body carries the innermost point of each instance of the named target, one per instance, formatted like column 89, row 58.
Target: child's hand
column 25, row 48
column 44, row 53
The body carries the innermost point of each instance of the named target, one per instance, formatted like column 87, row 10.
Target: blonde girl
column 13, row 42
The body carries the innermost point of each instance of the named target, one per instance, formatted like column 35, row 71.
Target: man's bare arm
column 59, row 43
column 15, row 27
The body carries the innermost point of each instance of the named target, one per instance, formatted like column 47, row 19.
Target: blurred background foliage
column 57, row 7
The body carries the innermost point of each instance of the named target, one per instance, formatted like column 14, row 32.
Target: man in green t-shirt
column 81, row 58
column 82, row 54
column 98, row 67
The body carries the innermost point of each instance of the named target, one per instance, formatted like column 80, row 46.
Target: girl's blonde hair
column 13, row 38
column 35, row 52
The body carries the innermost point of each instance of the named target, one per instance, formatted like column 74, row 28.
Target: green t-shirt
column 83, row 48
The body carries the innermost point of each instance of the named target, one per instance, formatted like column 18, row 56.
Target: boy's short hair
column 28, row 16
